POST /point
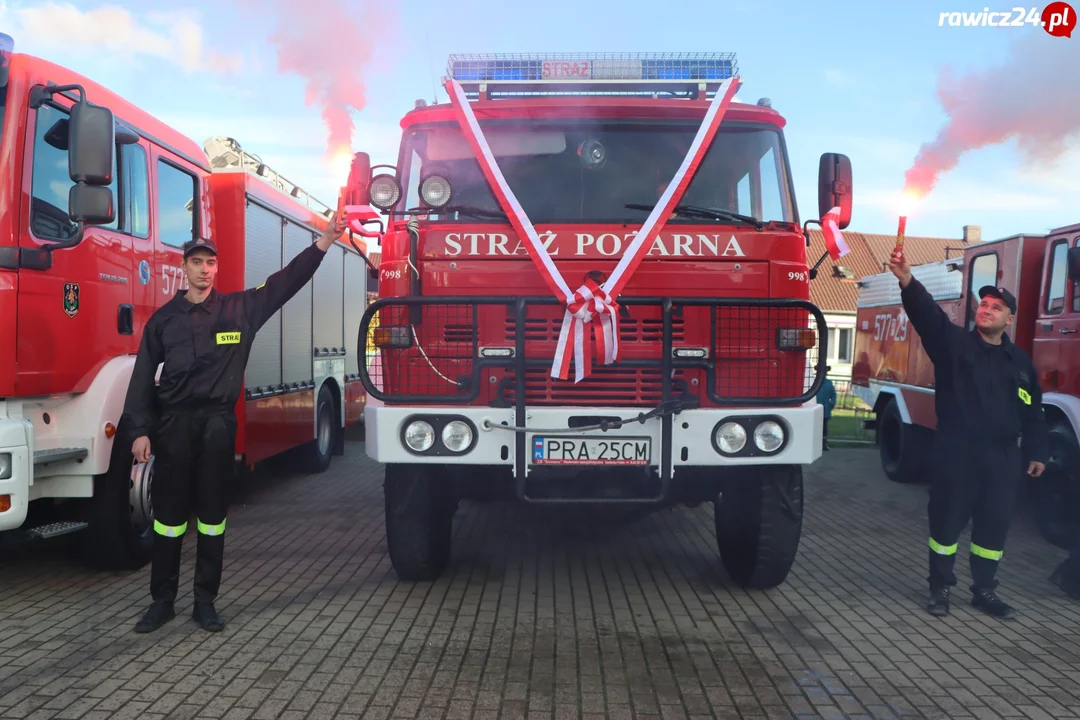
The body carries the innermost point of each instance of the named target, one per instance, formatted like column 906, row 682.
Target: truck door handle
column 1067, row 331
column 125, row 320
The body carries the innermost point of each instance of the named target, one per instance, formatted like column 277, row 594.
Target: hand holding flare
column 898, row 251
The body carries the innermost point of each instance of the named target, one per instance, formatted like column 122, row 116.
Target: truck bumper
column 15, row 469
column 691, row 435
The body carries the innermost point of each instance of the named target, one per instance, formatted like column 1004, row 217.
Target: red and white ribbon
column 591, row 301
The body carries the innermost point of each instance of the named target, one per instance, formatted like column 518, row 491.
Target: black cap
column 1001, row 294
column 199, row 244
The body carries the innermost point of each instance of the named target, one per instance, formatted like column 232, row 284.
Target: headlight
column 768, row 436
column 5, row 466
column 419, row 436
column 384, row 192
column 435, row 191
column 457, row 436
column 731, row 437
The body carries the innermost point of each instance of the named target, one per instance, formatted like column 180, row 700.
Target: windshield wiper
column 472, row 211
column 710, row 213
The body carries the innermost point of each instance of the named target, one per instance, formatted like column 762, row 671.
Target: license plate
column 591, row 451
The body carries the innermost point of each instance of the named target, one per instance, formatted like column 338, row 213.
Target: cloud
column 1059, row 175
column 173, row 36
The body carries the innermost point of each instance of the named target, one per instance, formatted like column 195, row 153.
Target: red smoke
column 1032, row 98
column 330, row 44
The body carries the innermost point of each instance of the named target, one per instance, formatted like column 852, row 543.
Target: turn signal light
column 110, row 430
column 391, row 336
column 795, row 339
column 5, row 503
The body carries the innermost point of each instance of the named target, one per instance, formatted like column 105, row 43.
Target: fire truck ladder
column 677, row 75
column 225, row 153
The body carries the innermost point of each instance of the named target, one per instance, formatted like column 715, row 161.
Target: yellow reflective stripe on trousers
column 169, row 530
column 218, row 529
column 984, row 553
column 942, row 549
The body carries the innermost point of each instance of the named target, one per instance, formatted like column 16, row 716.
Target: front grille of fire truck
column 724, row 352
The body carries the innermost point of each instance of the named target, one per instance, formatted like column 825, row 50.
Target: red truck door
column 1057, row 330
column 76, row 315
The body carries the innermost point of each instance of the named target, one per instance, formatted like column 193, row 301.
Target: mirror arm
column 41, row 94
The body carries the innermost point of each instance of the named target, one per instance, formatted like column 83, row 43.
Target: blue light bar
column 592, row 73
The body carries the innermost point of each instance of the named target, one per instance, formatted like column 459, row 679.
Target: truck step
column 44, row 532
column 44, row 457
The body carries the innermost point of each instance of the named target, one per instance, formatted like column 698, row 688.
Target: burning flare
column 1031, row 98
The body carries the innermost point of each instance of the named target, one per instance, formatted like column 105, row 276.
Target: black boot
column 938, row 604
column 991, row 604
column 1063, row 579
column 159, row 613
column 205, row 614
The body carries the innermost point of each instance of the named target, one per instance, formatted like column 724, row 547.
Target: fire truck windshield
column 591, row 170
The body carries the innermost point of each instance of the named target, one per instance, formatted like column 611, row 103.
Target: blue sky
column 853, row 77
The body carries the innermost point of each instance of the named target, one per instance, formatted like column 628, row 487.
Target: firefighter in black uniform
column 990, row 429
column 202, row 339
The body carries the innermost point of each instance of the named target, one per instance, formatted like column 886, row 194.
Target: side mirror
column 356, row 188
column 91, row 205
column 91, row 144
column 834, row 186
column 1072, row 260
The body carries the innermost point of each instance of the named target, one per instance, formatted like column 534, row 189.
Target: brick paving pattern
column 544, row 614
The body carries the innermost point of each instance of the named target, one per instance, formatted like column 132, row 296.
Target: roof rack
column 687, row 75
column 224, row 153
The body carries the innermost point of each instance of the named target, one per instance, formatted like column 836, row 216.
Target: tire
column 419, row 522
column 120, row 515
column 1056, row 495
column 321, row 448
column 759, row 523
column 901, row 445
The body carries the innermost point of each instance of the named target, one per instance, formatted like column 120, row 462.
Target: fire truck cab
column 97, row 200
column 712, row 398
column 894, row 376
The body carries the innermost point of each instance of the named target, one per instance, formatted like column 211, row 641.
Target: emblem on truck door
column 71, row 299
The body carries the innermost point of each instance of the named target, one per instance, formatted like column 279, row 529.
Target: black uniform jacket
column 205, row 346
column 983, row 392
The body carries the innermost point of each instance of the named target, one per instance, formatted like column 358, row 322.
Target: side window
column 175, row 205
column 1055, row 294
column 1076, row 286
column 49, row 191
column 984, row 271
column 844, row 346
column 136, row 182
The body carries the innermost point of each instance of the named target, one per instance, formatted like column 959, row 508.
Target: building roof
column 869, row 255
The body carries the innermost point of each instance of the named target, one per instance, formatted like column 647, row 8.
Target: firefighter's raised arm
column 140, row 404
column 262, row 302
column 935, row 329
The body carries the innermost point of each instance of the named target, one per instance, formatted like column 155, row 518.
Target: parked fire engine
column 720, row 353
column 895, row 377
column 100, row 198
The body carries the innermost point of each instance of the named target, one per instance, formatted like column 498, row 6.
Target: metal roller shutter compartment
column 263, row 245
column 296, row 315
column 356, row 276
column 330, row 299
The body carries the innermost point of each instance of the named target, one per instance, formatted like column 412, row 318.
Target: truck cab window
column 49, row 192
column 175, row 205
column 136, row 190
column 1055, row 296
column 984, row 271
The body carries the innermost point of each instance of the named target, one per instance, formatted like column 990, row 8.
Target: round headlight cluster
column 384, row 192
column 430, row 436
column 731, row 437
column 435, row 191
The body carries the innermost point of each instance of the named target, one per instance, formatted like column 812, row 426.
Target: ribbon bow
column 589, row 304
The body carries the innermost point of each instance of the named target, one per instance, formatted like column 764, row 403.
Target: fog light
column 435, row 191
column 419, row 436
column 457, row 436
column 731, row 437
column 768, row 436
column 384, row 192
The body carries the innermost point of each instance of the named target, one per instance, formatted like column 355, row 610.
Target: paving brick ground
column 543, row 616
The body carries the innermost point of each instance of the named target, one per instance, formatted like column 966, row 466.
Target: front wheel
column 759, row 524
column 1056, row 495
column 326, row 429
column 901, row 445
column 419, row 521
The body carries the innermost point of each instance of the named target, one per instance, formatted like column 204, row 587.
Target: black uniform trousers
column 976, row 480
column 194, row 466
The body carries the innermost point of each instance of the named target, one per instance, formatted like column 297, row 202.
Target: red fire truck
column 712, row 395
column 100, row 198
column 894, row 376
